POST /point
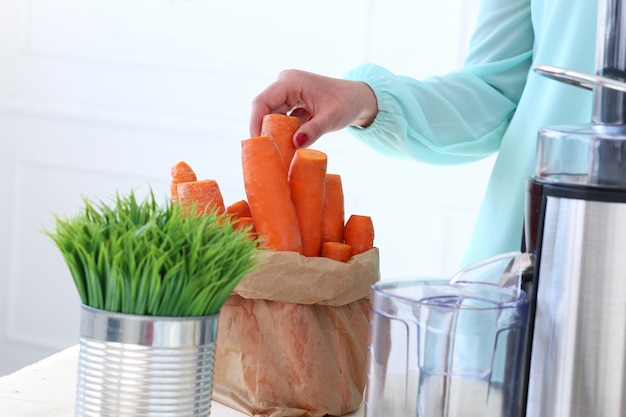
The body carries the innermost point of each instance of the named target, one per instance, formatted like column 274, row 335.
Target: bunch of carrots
column 293, row 203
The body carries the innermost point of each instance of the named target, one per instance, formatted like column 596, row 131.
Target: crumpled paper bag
column 292, row 338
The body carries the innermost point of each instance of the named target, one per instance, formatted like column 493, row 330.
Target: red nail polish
column 302, row 139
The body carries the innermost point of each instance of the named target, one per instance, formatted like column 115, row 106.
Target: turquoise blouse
column 495, row 103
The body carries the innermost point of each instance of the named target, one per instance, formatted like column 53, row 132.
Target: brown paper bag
column 292, row 339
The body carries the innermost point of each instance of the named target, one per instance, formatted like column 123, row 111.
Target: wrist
column 367, row 103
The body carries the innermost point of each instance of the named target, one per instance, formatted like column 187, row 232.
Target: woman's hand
column 322, row 104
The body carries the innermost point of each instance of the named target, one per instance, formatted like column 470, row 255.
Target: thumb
column 308, row 133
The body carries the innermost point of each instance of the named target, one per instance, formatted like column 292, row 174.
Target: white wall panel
column 98, row 96
column 78, row 157
column 419, row 38
column 246, row 35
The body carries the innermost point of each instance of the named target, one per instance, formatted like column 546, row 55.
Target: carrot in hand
column 281, row 128
column 239, row 209
column 267, row 189
column 333, row 218
column 205, row 194
column 359, row 234
column 180, row 172
column 307, row 181
column 337, row 251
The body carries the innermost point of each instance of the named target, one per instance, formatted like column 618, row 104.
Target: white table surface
column 46, row 389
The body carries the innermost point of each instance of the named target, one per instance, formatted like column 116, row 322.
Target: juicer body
column 576, row 227
column 577, row 361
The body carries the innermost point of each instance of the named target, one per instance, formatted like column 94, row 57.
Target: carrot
column 281, row 128
column 245, row 223
column 333, row 218
column 239, row 209
column 205, row 194
column 307, row 180
column 267, row 189
column 337, row 251
column 180, row 172
column 359, row 233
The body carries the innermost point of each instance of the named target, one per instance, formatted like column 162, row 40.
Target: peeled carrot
column 239, row 209
column 205, row 194
column 337, row 251
column 359, row 233
column 180, row 172
column 307, row 180
column 333, row 218
column 267, row 189
column 281, row 128
column 245, row 223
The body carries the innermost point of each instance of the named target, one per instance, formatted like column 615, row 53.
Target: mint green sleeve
column 460, row 116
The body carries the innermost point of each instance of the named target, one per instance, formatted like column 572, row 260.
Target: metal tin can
column 133, row 365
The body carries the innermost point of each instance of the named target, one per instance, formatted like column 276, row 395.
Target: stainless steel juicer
column 576, row 226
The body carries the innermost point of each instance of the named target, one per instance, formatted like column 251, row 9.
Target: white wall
column 98, row 96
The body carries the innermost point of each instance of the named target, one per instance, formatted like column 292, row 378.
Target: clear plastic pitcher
column 448, row 348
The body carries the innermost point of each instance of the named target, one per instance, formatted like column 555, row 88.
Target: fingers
column 302, row 114
column 269, row 101
column 323, row 104
column 282, row 96
column 312, row 130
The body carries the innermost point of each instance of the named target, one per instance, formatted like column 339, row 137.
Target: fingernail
column 302, row 139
